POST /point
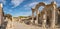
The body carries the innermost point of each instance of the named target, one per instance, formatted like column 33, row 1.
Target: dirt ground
column 18, row 25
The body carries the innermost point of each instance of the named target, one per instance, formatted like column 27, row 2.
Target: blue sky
column 22, row 7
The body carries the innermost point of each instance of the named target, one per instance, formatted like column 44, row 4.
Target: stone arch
column 39, row 4
column 46, row 10
column 36, row 9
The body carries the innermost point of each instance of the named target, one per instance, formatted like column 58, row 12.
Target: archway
column 36, row 9
column 40, row 9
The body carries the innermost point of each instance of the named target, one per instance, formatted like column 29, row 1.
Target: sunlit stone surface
column 1, row 14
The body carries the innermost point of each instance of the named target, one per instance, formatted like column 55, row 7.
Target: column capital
column 33, row 9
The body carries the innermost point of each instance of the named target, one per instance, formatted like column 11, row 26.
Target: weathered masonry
column 48, row 16
column 1, row 14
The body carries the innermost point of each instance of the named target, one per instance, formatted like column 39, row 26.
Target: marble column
column 36, row 16
column 33, row 21
column 1, row 14
column 53, row 16
column 44, row 20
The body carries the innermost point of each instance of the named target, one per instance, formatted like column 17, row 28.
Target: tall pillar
column 56, row 22
column 1, row 14
column 33, row 21
column 36, row 16
column 44, row 20
column 53, row 16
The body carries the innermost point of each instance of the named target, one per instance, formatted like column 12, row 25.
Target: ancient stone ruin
column 48, row 16
column 1, row 14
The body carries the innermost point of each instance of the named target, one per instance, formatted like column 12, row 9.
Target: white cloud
column 16, row 2
column 31, row 4
column 3, row 1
